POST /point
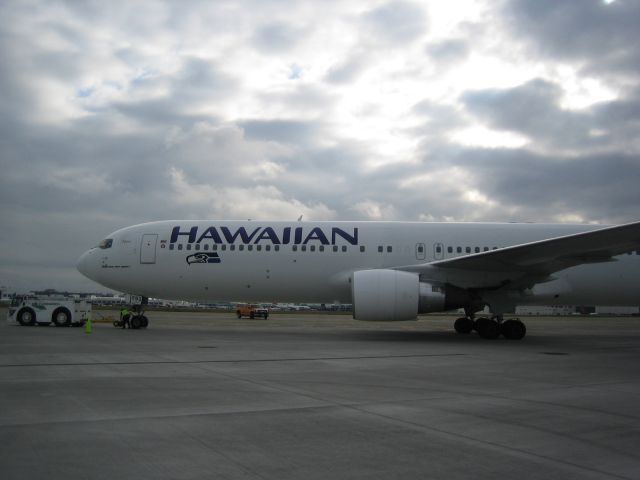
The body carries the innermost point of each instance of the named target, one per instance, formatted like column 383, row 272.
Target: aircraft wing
column 533, row 262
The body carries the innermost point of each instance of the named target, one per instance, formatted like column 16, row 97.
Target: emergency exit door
column 148, row 248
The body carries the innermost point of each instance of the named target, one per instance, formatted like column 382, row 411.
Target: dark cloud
column 599, row 187
column 533, row 109
column 396, row 22
column 276, row 37
column 448, row 51
column 603, row 36
column 284, row 131
column 348, row 70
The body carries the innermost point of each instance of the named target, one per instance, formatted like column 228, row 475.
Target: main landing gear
column 490, row 328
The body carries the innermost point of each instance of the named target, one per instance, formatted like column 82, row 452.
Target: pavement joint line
column 260, row 360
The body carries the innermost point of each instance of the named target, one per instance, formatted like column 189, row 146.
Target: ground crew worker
column 125, row 317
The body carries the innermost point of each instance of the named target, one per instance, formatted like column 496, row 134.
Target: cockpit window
column 106, row 243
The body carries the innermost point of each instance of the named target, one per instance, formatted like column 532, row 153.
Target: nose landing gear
column 134, row 319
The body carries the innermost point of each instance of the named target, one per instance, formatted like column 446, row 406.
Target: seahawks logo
column 203, row 257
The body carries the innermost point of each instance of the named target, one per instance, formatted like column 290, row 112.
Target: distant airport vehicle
column 62, row 312
column 387, row 270
column 251, row 311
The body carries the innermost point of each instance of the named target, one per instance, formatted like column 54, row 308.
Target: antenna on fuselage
column 300, row 217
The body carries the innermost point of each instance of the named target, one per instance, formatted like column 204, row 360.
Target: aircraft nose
column 84, row 263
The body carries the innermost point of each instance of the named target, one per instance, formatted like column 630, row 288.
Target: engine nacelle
column 384, row 295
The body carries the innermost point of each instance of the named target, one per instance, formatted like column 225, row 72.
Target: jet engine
column 383, row 295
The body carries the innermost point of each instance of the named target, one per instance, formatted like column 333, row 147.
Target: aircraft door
column 148, row 248
column 421, row 251
column 438, row 251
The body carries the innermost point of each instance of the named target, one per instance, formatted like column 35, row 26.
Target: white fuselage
column 314, row 261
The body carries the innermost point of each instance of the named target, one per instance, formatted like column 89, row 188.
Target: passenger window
column 477, row 249
column 171, row 246
column 232, row 247
column 380, row 249
column 389, row 249
column 467, row 249
column 277, row 248
column 180, row 247
column 188, row 246
column 294, row 248
column 344, row 248
column 259, row 248
column 438, row 249
column 250, row 248
column 312, row 248
column 223, row 247
column 450, row 249
column 241, row 247
column 335, row 248
column 214, row 247
column 197, row 246
column 321, row 248
column 267, row 248
column 485, row 249
column 206, row 246
column 421, row 249
column 459, row 249
column 362, row 248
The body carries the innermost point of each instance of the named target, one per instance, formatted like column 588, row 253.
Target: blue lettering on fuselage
column 265, row 234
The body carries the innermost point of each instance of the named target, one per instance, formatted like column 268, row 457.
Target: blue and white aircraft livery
column 387, row 270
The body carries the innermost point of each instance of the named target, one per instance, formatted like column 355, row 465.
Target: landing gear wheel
column 488, row 328
column 144, row 321
column 239, row 314
column 26, row 317
column 61, row 317
column 478, row 321
column 266, row 315
column 252, row 315
column 513, row 329
column 136, row 322
column 463, row 325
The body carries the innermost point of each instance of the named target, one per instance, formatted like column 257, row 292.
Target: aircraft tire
column 136, row 322
column 144, row 321
column 513, row 330
column 239, row 314
column 479, row 321
column 488, row 328
column 61, row 317
column 26, row 317
column 252, row 316
column 463, row 325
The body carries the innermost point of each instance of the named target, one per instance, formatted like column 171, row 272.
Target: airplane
column 388, row 271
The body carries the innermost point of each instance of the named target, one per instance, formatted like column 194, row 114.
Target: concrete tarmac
column 201, row 395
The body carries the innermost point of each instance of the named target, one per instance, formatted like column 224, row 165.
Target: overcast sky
column 117, row 113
